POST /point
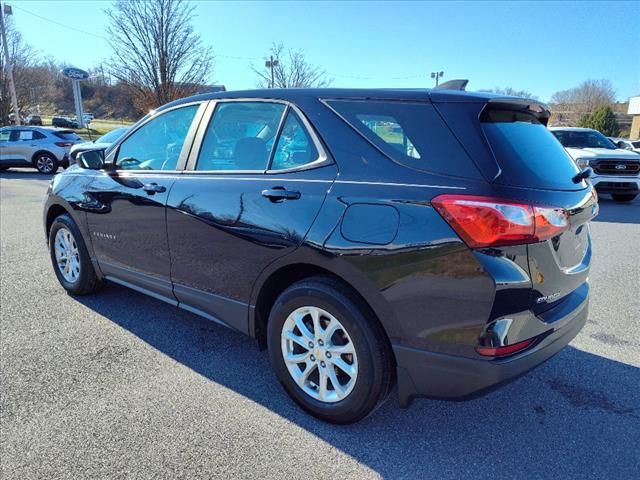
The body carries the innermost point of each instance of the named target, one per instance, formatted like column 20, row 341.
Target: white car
column 615, row 171
column 625, row 144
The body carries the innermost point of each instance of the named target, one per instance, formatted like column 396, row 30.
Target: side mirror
column 91, row 159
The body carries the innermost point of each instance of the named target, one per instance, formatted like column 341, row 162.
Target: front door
column 248, row 197
column 125, row 205
column 17, row 146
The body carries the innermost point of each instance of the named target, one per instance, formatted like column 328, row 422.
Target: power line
column 219, row 55
column 60, row 24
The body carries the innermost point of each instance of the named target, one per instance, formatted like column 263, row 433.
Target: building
column 634, row 109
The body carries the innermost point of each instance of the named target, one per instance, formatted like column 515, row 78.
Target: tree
column 292, row 71
column 156, row 52
column 22, row 58
column 511, row 92
column 585, row 98
column 603, row 120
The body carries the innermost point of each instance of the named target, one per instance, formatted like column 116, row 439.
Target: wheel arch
column 278, row 278
column 40, row 152
column 54, row 211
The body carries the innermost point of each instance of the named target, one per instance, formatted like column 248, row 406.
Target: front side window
column 4, row 135
column 295, row 147
column 158, row 143
column 240, row 136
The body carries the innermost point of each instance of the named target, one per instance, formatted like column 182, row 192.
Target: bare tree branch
column 585, row 98
column 156, row 52
column 292, row 71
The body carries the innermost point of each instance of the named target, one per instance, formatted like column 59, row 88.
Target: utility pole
column 437, row 76
column 12, row 86
column 270, row 64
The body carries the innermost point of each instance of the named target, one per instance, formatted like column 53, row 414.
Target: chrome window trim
column 323, row 157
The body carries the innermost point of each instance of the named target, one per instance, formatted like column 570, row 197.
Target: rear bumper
column 616, row 184
column 428, row 374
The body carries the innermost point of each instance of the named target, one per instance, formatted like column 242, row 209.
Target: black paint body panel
column 212, row 243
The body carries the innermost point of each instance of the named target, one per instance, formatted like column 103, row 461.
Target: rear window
column 412, row 134
column 527, row 153
column 67, row 135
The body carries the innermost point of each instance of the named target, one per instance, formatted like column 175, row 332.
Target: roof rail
column 453, row 85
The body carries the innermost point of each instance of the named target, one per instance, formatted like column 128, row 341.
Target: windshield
column 113, row 135
column 583, row 139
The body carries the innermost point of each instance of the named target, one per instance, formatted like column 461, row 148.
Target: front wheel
column 46, row 163
column 329, row 353
column 624, row 197
column 70, row 257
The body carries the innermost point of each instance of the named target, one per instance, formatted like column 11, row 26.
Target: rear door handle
column 152, row 188
column 277, row 194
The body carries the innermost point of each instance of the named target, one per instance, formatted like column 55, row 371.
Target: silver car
column 43, row 148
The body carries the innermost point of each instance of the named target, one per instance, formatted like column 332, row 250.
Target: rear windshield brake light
column 490, row 222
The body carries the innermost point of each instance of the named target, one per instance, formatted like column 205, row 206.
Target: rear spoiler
column 519, row 105
column 453, row 85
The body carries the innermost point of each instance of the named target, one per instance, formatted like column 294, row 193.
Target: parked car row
column 46, row 148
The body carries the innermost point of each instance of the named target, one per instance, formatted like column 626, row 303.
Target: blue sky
column 541, row 47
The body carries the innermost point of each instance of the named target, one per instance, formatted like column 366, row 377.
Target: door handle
column 152, row 188
column 277, row 194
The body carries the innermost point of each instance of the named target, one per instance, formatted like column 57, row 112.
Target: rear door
column 253, row 187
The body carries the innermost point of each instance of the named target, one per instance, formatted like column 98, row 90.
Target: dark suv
column 434, row 239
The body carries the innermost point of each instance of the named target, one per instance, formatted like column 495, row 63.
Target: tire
column 624, row 197
column 371, row 362
column 46, row 163
column 65, row 236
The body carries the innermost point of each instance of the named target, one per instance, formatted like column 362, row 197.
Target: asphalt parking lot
column 119, row 385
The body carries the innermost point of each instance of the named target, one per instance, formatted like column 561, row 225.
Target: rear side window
column 295, row 147
column 527, row 153
column 412, row 134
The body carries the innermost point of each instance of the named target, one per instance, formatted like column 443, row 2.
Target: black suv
column 434, row 239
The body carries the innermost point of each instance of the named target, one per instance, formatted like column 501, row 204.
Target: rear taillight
column 505, row 350
column 64, row 144
column 490, row 222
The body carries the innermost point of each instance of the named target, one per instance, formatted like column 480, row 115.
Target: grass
column 98, row 127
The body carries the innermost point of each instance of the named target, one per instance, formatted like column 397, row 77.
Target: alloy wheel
column 44, row 164
column 319, row 354
column 67, row 255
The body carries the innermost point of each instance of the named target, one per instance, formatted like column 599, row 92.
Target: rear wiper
column 584, row 174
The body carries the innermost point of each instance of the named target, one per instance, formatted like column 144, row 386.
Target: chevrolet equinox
column 434, row 239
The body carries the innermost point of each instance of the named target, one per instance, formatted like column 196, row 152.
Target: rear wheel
column 328, row 352
column 624, row 197
column 46, row 163
column 70, row 257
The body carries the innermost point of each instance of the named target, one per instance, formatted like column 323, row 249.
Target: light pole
column 6, row 9
column 437, row 76
column 270, row 64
